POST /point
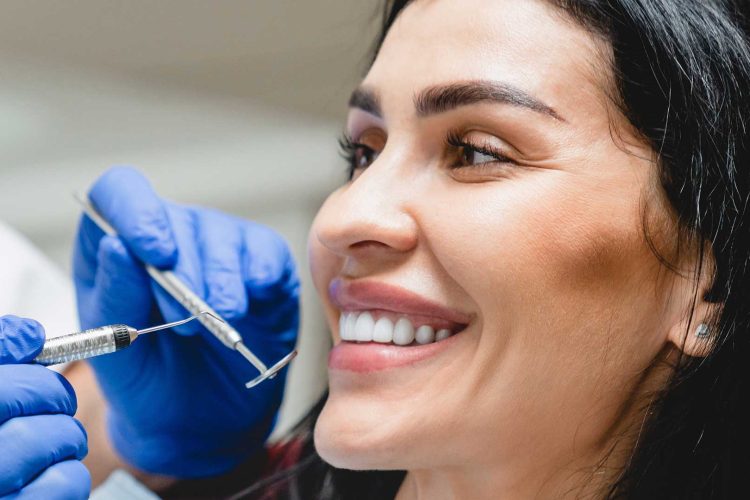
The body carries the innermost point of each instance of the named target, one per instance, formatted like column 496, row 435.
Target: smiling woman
column 537, row 275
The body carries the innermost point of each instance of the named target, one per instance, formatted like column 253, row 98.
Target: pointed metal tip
column 79, row 198
column 178, row 323
column 209, row 313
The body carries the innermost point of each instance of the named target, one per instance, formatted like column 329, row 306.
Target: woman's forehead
column 525, row 43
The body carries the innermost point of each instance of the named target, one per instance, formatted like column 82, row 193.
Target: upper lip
column 372, row 295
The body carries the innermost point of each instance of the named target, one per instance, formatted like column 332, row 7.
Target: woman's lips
column 368, row 356
column 372, row 295
column 372, row 356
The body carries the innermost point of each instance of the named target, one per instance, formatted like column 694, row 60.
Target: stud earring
column 702, row 331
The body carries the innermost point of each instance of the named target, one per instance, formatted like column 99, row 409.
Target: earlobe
column 695, row 331
column 694, row 336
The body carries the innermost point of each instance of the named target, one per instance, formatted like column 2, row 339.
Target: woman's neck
column 570, row 481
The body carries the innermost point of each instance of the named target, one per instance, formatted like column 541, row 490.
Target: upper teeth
column 362, row 327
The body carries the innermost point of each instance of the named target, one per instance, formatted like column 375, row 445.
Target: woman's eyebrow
column 367, row 100
column 442, row 98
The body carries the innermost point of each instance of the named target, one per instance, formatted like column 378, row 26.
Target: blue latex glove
column 178, row 402
column 41, row 444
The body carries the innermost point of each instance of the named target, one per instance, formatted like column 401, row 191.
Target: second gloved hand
column 178, row 403
column 41, row 444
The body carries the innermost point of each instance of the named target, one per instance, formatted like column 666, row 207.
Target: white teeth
column 347, row 333
column 442, row 335
column 425, row 334
column 383, row 331
column 403, row 332
column 363, row 328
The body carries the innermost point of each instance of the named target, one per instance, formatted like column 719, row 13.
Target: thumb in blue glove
column 178, row 405
column 42, row 444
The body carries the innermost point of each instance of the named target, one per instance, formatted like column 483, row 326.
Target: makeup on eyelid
column 463, row 152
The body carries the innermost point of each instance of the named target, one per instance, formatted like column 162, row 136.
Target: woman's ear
column 694, row 330
column 694, row 335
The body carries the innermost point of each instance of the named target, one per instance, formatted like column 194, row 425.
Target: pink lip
column 372, row 356
column 372, row 295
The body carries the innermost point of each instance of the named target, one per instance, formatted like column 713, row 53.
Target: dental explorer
column 96, row 341
column 175, row 287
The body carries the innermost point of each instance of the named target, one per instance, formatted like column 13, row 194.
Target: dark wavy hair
column 682, row 76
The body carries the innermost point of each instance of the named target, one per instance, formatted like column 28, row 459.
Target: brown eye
column 472, row 156
column 363, row 156
column 467, row 153
column 361, row 153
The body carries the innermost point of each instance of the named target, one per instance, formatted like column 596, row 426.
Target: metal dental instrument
column 97, row 341
column 175, row 287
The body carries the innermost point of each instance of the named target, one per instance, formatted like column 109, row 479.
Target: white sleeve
column 33, row 287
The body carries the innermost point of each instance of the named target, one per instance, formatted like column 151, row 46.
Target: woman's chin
column 348, row 442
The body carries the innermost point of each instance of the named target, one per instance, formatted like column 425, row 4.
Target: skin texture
column 572, row 314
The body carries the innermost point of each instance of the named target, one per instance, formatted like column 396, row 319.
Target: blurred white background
column 231, row 104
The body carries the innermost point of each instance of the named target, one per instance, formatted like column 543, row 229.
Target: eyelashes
column 356, row 155
column 468, row 152
column 346, row 151
column 463, row 153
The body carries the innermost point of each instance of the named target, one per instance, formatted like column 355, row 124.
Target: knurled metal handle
column 79, row 345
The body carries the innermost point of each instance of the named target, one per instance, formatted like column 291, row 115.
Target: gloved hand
column 178, row 402
column 41, row 444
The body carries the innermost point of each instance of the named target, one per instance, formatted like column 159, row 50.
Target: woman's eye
column 472, row 156
column 468, row 154
column 363, row 156
column 358, row 156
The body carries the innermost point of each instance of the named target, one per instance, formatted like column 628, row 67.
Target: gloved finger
column 188, row 268
column 269, row 265
column 31, row 444
column 86, row 247
column 33, row 390
column 271, row 280
column 131, row 206
column 123, row 293
column 21, row 339
column 122, row 288
column 220, row 248
column 68, row 480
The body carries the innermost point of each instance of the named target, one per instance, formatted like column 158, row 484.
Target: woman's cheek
column 534, row 245
column 545, row 245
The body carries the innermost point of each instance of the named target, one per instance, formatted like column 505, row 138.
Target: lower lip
column 372, row 357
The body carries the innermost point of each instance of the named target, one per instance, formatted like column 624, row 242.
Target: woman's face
column 497, row 199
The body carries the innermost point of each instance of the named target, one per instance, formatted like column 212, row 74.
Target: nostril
column 368, row 244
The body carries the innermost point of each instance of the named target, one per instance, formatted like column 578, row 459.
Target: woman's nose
column 370, row 214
